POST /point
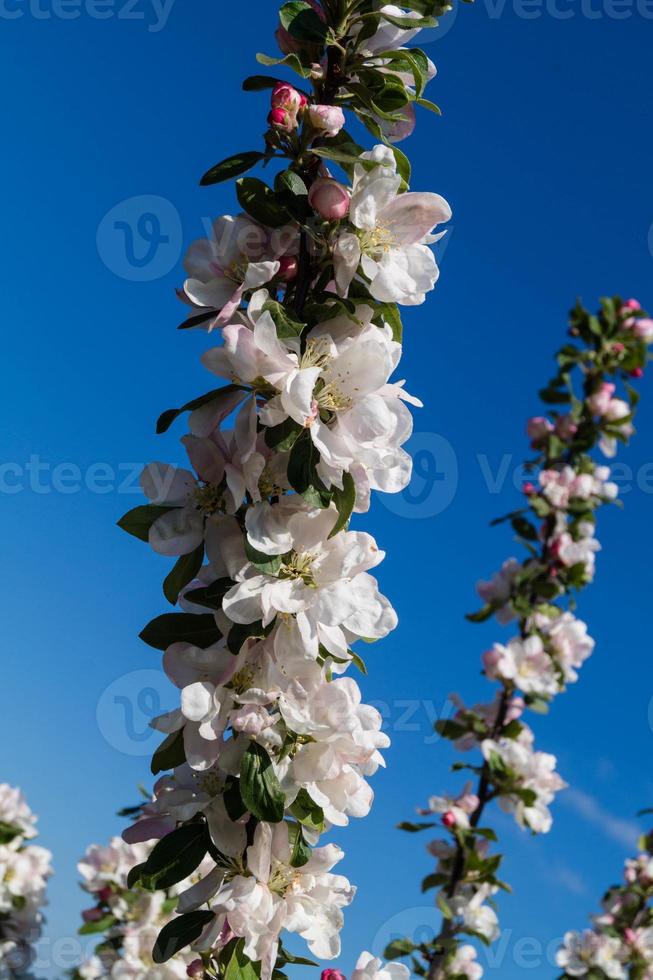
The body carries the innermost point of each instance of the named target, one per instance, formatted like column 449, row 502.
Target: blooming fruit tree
column 299, row 293
column 535, row 597
column 24, row 870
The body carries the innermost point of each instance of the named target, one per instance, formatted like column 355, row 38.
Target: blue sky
column 544, row 151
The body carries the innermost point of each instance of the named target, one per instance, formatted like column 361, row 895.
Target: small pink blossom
column 327, row 119
column 329, row 198
column 598, row 402
column 538, row 428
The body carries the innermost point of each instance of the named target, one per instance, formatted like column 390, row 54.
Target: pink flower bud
column 332, row 975
column 566, row 428
column 618, row 348
column 288, row 267
column 284, row 96
column 631, row 304
column 92, row 915
column 195, row 969
column 104, row 894
column 630, row 936
column 283, row 120
column 449, row 819
column 327, row 119
column 516, row 708
column 538, row 427
column 643, row 329
column 637, row 372
column 329, row 198
column 529, row 489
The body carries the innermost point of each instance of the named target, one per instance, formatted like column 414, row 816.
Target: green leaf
column 302, row 23
column 291, row 60
column 414, row 828
column 8, row 832
column 302, row 474
column 431, row 881
column 358, row 662
column 179, row 933
column 282, row 437
column 239, row 967
column 345, row 501
column 409, row 22
column 241, row 632
column 233, row 801
column 260, row 202
column 139, row 520
column 232, row 167
column 268, row 564
column 170, row 753
column 307, row 812
column 171, row 628
column 398, row 948
column 175, row 857
column 286, row 325
column 389, row 313
column 183, row 572
column 300, row 852
column 211, row 595
column 345, row 153
column 482, row 615
column 285, row 957
column 101, row 925
column 258, row 83
column 293, row 194
column 431, row 106
column 219, row 394
column 259, row 786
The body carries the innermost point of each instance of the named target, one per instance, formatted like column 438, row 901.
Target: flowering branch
column 620, row 944
column 24, row 870
column 271, row 745
column 556, row 528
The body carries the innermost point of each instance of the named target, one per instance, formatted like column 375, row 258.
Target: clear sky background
column 544, row 151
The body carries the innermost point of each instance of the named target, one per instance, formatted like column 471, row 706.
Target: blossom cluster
column 24, row 870
column 128, row 919
column 271, row 745
column 620, row 943
column 556, row 526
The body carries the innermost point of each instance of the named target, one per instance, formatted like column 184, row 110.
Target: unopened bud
column 195, row 969
column 329, row 198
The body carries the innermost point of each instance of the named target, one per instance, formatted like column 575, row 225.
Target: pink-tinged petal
column 170, row 722
column 206, row 419
column 150, row 828
column 163, row 484
column 228, row 310
column 207, row 459
column 412, row 216
column 200, row 893
column 401, row 129
column 209, row 295
column 178, row 532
